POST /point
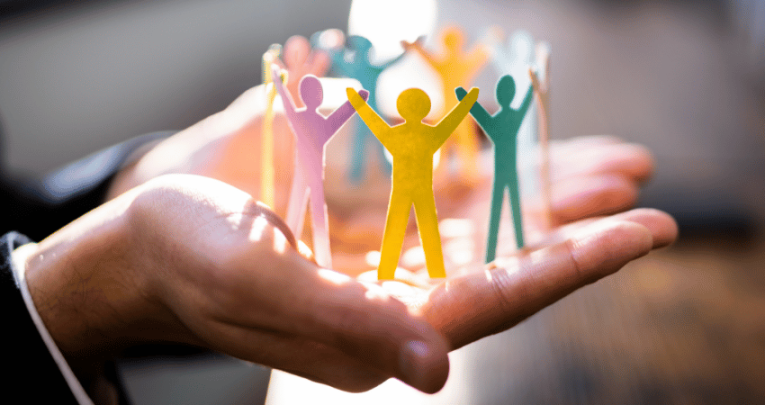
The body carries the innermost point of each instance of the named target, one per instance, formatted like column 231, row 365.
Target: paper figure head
column 361, row 45
column 296, row 51
column 311, row 92
column 453, row 39
column 505, row 91
column 522, row 46
column 413, row 105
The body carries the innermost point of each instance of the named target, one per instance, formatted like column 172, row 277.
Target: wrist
column 86, row 285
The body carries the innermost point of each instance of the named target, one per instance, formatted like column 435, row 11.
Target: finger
column 360, row 320
column 470, row 307
column 303, row 357
column 582, row 159
column 662, row 226
column 363, row 321
column 577, row 198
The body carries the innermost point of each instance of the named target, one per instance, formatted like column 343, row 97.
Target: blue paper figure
column 354, row 62
column 502, row 128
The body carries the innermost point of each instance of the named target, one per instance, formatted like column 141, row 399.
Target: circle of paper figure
column 312, row 131
column 502, row 128
column 412, row 145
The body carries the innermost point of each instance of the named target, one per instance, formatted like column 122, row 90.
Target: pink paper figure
column 312, row 132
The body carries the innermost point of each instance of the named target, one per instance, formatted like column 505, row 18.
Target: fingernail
column 412, row 361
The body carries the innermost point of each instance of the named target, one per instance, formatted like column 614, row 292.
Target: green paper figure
column 502, row 128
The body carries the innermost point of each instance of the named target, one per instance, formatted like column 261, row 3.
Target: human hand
column 193, row 260
column 181, row 259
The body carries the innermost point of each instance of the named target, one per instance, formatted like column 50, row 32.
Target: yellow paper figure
column 542, row 87
column 456, row 68
column 266, row 134
column 412, row 145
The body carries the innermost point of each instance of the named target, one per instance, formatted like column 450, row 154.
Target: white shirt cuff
column 19, row 258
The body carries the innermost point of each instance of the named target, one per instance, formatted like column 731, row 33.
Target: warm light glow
column 258, row 226
column 373, row 258
column 414, row 257
column 387, row 23
column 456, row 228
column 333, row 277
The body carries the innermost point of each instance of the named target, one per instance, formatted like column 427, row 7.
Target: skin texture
column 190, row 258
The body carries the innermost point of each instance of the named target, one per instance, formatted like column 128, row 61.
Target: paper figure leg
column 427, row 224
column 393, row 235
column 515, row 209
column 298, row 202
column 467, row 149
column 357, row 155
column 321, row 249
column 497, row 195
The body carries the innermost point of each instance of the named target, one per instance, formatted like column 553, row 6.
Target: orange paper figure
column 541, row 83
column 412, row 145
column 312, row 131
column 456, row 68
column 266, row 134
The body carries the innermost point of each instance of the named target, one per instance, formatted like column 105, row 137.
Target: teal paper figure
column 354, row 62
column 514, row 58
column 502, row 128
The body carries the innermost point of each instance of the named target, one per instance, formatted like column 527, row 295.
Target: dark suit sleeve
column 29, row 370
column 39, row 207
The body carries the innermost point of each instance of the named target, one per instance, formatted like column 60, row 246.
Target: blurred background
column 685, row 78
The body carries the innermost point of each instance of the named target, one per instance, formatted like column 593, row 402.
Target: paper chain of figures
column 412, row 143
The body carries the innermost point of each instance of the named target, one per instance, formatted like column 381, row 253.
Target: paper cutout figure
column 456, row 68
column 266, row 133
column 412, row 145
column 300, row 60
column 502, row 129
column 355, row 62
column 514, row 59
column 541, row 83
column 312, row 132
